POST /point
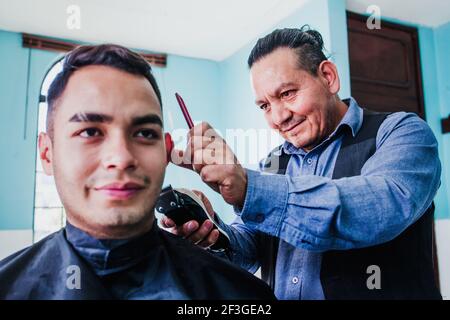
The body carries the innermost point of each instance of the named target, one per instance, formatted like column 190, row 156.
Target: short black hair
column 106, row 55
column 307, row 43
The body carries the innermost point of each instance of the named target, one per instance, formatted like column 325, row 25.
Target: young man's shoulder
column 20, row 268
column 226, row 280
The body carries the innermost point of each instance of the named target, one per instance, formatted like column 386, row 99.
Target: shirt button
column 309, row 161
column 294, row 280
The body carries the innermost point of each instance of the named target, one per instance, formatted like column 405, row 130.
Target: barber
column 343, row 208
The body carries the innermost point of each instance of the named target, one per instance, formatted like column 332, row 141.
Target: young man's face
column 300, row 106
column 108, row 153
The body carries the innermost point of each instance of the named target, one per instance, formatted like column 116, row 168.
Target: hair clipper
column 182, row 205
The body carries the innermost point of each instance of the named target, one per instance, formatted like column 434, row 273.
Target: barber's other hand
column 203, row 235
column 210, row 156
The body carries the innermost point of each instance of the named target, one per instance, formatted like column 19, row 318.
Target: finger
column 186, row 229
column 202, row 232
column 203, row 129
column 204, row 157
column 201, row 142
column 206, row 202
column 211, row 240
column 167, row 222
column 214, row 173
column 177, row 158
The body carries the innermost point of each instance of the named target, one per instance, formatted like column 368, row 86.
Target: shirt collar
column 107, row 256
column 352, row 119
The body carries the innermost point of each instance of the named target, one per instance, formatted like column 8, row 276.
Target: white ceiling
column 210, row 29
column 430, row 13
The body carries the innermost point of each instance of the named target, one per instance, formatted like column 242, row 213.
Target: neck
column 113, row 232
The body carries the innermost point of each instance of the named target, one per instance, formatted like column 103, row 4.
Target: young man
column 350, row 211
column 105, row 146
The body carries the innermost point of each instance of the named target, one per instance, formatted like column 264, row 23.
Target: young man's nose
column 117, row 154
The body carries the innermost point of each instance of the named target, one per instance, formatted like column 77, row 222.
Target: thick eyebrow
column 90, row 117
column 99, row 117
column 276, row 92
column 149, row 118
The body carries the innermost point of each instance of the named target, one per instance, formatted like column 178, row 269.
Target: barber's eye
column 90, row 132
column 288, row 93
column 263, row 106
column 147, row 134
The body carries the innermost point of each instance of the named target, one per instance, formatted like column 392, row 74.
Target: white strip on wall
column 14, row 240
column 443, row 249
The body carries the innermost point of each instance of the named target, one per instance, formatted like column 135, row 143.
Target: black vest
column 406, row 262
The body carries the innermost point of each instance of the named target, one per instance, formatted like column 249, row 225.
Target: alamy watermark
column 73, row 21
column 374, row 280
column 73, row 281
column 374, row 20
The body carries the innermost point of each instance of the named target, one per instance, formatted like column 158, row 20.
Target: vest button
column 294, row 280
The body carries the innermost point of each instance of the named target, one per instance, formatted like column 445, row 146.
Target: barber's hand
column 210, row 156
column 204, row 236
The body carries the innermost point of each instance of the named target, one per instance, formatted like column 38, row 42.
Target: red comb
column 184, row 110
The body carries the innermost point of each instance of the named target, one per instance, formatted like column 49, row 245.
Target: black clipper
column 182, row 205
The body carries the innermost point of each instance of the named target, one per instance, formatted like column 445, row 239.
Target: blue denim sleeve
column 243, row 244
column 397, row 184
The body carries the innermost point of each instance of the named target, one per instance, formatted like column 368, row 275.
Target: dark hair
column 107, row 55
column 307, row 43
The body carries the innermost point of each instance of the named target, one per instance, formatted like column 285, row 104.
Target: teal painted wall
column 442, row 45
column 19, row 88
column 433, row 110
column 196, row 81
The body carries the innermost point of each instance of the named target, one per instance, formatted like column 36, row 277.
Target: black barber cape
column 70, row 264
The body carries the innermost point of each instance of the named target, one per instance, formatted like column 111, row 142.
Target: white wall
column 14, row 240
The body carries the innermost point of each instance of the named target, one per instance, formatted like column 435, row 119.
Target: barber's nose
column 280, row 114
column 117, row 154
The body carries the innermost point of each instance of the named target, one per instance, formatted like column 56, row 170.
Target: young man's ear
column 46, row 153
column 169, row 146
column 328, row 71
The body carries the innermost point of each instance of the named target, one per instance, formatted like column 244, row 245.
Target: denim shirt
column 311, row 213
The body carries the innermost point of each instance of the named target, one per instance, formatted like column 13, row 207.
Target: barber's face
column 295, row 103
column 108, row 154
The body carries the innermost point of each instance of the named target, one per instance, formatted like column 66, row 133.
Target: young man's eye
column 89, row 133
column 147, row 134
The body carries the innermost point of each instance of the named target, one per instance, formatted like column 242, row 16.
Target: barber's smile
column 291, row 130
column 120, row 190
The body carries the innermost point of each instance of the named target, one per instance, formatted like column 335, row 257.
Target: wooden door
column 385, row 66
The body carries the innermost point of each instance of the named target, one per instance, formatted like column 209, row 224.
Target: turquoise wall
column 442, row 45
column 21, row 74
column 434, row 110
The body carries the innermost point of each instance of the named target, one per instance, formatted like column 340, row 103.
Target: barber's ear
column 169, row 145
column 328, row 71
column 46, row 153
